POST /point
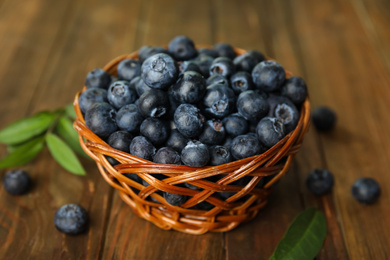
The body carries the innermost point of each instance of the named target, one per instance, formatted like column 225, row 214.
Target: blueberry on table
column 213, row 132
column 244, row 146
column 320, row 181
column 154, row 103
column 225, row 50
column 270, row 130
column 235, row 124
column 241, row 81
column 16, row 182
column 219, row 101
column 100, row 119
column 98, row 78
column 176, row 140
column 324, row 118
column 195, row 154
column 190, row 88
column 219, row 155
column 295, row 89
column 141, row 147
column 268, row 76
column 71, row 219
column 159, row 71
column 188, row 120
column 128, row 69
column 252, row 106
column 174, row 199
column 182, row 48
column 167, row 155
column 223, row 66
column 129, row 119
column 90, row 97
column 120, row 140
column 156, row 130
column 366, row 190
column 120, row 93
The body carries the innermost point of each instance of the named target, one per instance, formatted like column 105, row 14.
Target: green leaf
column 64, row 155
column 304, row 238
column 24, row 129
column 65, row 130
column 23, row 153
column 69, row 111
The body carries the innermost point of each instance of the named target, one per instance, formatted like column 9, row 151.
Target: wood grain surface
column 341, row 49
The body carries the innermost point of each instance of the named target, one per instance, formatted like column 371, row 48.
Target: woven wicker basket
column 225, row 214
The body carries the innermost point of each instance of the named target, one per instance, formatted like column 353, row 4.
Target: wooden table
column 342, row 50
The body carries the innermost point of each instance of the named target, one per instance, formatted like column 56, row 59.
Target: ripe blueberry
column 167, row 155
column 71, row 219
column 120, row 93
column 129, row 119
column 270, row 130
column 148, row 51
column 90, row 97
column 247, row 61
column 268, row 76
column 244, row 146
column 16, row 182
column 156, row 130
column 174, row 199
column 225, row 50
column 98, row 78
column 366, row 190
column 159, row 71
column 213, row 132
column 288, row 114
column 120, row 140
column 188, row 66
column 218, row 101
column 324, row 118
column 190, row 88
column 182, row 48
column 204, row 63
column 154, row 103
column 195, row 154
column 219, row 155
column 209, row 52
column 223, row 66
column 241, row 81
column 295, row 89
column 320, row 181
column 252, row 106
column 176, row 141
column 139, row 85
column 217, row 79
column 100, row 119
column 188, row 120
column 235, row 125
column 142, row 147
column 128, row 69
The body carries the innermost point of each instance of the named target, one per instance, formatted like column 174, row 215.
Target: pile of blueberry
column 191, row 106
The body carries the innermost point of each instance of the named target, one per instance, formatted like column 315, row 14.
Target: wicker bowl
column 224, row 214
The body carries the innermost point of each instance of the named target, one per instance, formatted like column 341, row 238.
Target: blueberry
column 270, row 130
column 120, row 140
column 90, row 97
column 139, row 85
column 295, row 89
column 128, row 69
column 195, row 154
column 154, row 103
column 275, row 100
column 16, row 182
column 159, row 71
column 148, row 51
column 177, row 141
column 223, row 66
column 100, row 119
column 112, row 161
column 219, row 101
column 98, row 78
column 324, row 118
column 219, row 155
column 120, row 93
column 268, row 76
column 188, row 66
column 225, row 50
column 182, row 48
column 204, row 63
column 175, row 199
column 142, row 147
column 133, row 177
column 213, row 132
column 209, row 52
column 129, row 119
column 71, row 219
column 288, row 114
column 244, row 146
column 188, row 120
column 190, row 88
column 247, row 61
column 241, row 81
column 320, row 181
column 204, row 205
column 156, row 130
column 366, row 190
column 217, row 79
column 252, row 106
column 228, row 142
column 235, row 125
column 167, row 155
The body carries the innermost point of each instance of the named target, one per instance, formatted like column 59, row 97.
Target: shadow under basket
column 219, row 197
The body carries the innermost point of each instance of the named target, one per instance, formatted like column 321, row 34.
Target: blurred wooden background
column 341, row 49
